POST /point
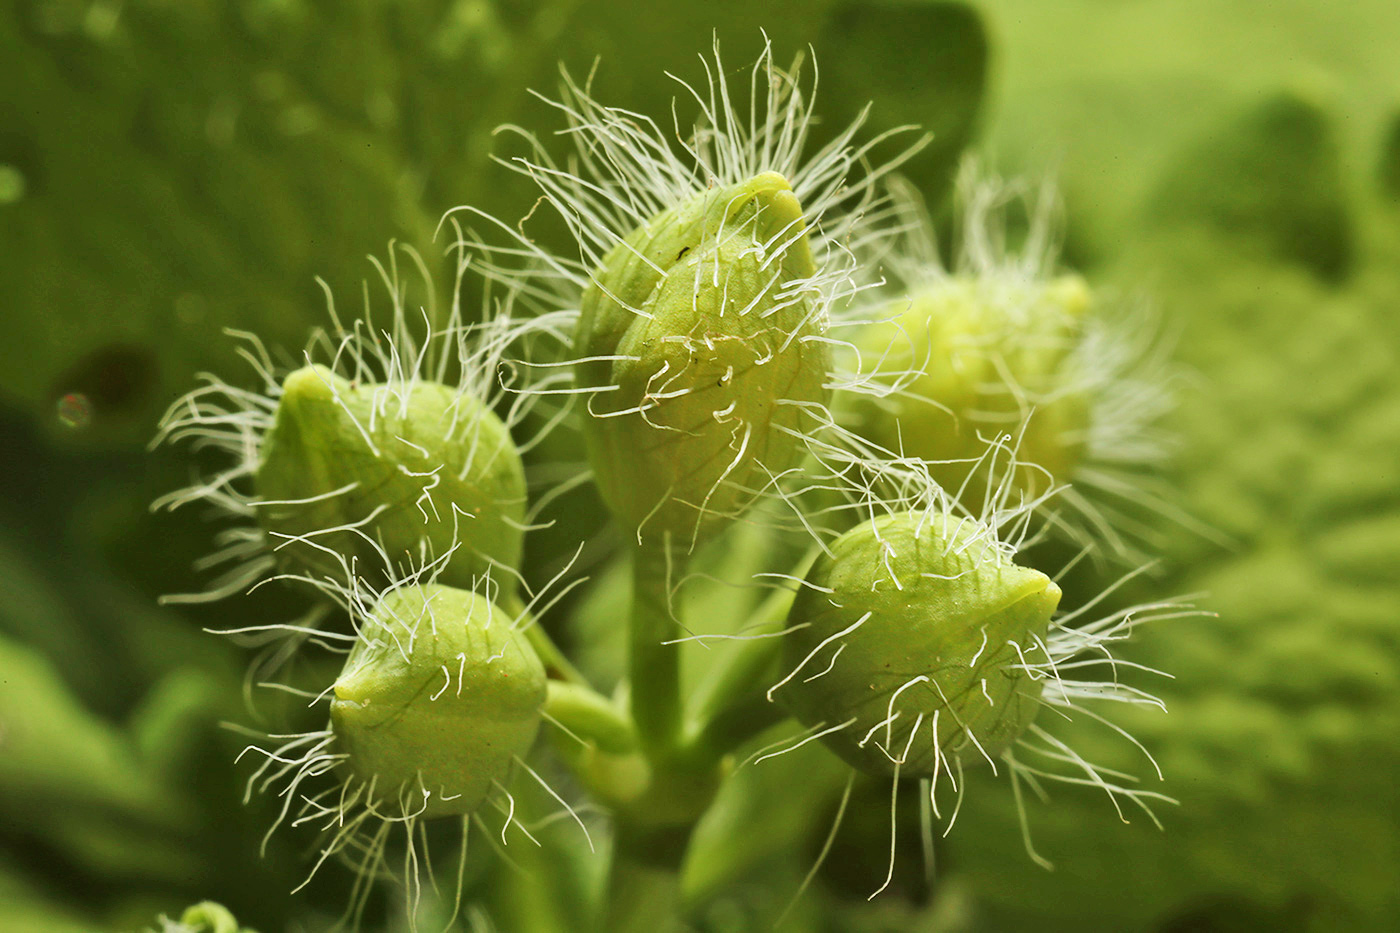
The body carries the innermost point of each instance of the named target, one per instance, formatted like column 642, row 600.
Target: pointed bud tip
column 313, row 383
column 349, row 689
column 1046, row 599
column 768, row 182
column 781, row 217
column 772, row 192
column 1071, row 293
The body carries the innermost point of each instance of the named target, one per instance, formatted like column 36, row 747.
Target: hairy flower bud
column 204, row 917
column 439, row 696
column 695, row 335
column 358, row 468
column 909, row 644
column 976, row 359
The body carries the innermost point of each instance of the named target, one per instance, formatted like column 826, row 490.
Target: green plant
column 204, row 917
column 720, row 336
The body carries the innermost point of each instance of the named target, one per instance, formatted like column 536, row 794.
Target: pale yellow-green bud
column 977, row 359
column 438, row 698
column 915, row 632
column 367, row 472
column 204, row 917
column 698, row 334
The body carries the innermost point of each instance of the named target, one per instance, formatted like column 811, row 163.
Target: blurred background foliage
column 170, row 169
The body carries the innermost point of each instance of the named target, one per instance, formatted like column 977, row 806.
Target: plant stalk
column 644, row 884
column 655, row 656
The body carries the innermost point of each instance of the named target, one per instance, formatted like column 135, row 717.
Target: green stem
column 653, row 829
column 732, row 726
column 644, row 883
column 590, row 716
column 655, row 665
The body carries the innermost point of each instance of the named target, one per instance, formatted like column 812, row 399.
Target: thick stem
column 653, row 830
column 644, row 885
column 655, row 665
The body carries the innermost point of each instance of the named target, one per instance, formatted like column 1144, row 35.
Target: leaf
column 916, row 64
column 1271, row 179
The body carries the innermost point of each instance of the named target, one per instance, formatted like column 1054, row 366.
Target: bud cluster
column 717, row 281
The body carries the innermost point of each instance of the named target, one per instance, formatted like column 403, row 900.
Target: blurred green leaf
column 23, row 910
column 1269, row 179
column 916, row 64
column 1390, row 159
column 216, row 199
column 56, row 753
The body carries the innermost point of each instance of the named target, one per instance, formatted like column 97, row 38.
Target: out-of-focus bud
column 975, row 359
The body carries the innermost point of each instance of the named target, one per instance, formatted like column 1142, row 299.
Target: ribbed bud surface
column 697, row 334
column 980, row 357
column 912, row 617
column 440, row 695
column 418, row 465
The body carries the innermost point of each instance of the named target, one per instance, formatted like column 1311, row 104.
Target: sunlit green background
column 169, row 169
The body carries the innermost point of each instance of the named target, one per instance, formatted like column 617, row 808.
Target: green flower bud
column 975, row 359
column 910, row 642
column 360, row 468
column 439, row 695
column 696, row 334
column 204, row 917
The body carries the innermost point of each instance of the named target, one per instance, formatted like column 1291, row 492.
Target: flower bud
column 439, row 694
column 359, row 468
column 695, row 336
column 977, row 358
column 204, row 917
column 913, row 632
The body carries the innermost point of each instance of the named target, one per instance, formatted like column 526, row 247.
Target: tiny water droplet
column 74, row 411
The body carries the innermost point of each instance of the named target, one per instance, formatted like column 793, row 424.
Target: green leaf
column 921, row 64
column 1270, row 179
